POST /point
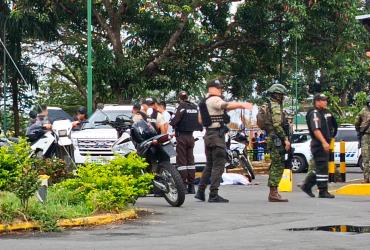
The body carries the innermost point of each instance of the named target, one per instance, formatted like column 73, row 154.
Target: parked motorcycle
column 6, row 141
column 238, row 156
column 53, row 143
column 142, row 138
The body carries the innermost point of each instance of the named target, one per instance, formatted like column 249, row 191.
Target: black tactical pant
column 185, row 157
column 319, row 173
column 215, row 148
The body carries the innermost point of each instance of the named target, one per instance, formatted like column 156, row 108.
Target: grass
column 61, row 204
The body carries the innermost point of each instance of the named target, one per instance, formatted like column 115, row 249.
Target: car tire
column 299, row 164
column 360, row 163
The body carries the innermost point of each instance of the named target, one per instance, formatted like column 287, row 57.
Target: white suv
column 94, row 142
column 302, row 154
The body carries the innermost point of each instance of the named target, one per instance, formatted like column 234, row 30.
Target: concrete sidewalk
column 247, row 222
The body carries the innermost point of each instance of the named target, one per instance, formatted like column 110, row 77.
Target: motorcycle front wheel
column 175, row 194
column 246, row 164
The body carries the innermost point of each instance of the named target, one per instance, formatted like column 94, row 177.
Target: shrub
column 18, row 173
column 111, row 186
column 55, row 168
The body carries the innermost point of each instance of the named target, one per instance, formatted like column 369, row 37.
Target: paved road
column 247, row 222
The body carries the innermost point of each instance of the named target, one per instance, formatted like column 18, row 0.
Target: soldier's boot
column 214, row 197
column 200, row 195
column 274, row 196
column 191, row 189
column 323, row 193
column 307, row 188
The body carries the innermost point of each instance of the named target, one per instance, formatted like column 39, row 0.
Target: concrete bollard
column 42, row 193
column 342, row 166
column 331, row 166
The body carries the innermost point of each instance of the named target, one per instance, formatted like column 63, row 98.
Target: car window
column 102, row 116
column 300, row 138
column 346, row 135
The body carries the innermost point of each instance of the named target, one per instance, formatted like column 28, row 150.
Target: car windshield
column 300, row 138
column 346, row 135
column 110, row 115
column 57, row 115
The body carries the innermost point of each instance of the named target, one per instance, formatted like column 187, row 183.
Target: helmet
column 142, row 131
column 278, row 89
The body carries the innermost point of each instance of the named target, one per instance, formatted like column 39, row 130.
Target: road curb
column 77, row 222
column 354, row 189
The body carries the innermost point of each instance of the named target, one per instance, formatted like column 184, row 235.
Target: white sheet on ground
column 234, row 179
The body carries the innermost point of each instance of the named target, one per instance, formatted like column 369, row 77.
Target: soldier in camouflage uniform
column 278, row 142
column 363, row 128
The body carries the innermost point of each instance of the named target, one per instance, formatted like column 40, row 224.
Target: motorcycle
column 6, row 141
column 53, row 143
column 157, row 149
column 238, row 156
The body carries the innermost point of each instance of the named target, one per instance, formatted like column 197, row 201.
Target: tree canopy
column 169, row 45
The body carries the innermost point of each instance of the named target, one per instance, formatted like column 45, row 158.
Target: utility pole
column 296, row 83
column 5, row 128
column 89, row 58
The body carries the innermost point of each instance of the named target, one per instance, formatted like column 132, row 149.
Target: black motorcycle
column 157, row 151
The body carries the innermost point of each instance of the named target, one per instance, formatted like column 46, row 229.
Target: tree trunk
column 15, row 106
column 343, row 98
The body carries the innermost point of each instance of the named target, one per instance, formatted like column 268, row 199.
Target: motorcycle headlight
column 62, row 133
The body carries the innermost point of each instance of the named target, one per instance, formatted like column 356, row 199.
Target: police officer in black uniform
column 214, row 118
column 321, row 135
column 185, row 122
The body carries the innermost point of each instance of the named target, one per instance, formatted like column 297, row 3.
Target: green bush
column 111, row 186
column 18, row 173
column 12, row 161
column 55, row 168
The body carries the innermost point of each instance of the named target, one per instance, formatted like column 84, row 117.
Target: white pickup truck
column 302, row 155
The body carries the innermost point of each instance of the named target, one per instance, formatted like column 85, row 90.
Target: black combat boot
column 217, row 199
column 200, row 195
column 191, row 189
column 323, row 193
column 308, row 190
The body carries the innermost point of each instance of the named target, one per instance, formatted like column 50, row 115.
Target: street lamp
column 89, row 59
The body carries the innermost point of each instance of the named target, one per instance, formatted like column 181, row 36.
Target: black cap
column 320, row 97
column 137, row 106
column 82, row 110
column 149, row 101
column 33, row 114
column 183, row 95
column 215, row 83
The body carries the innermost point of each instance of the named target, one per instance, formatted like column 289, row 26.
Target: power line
column 11, row 58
